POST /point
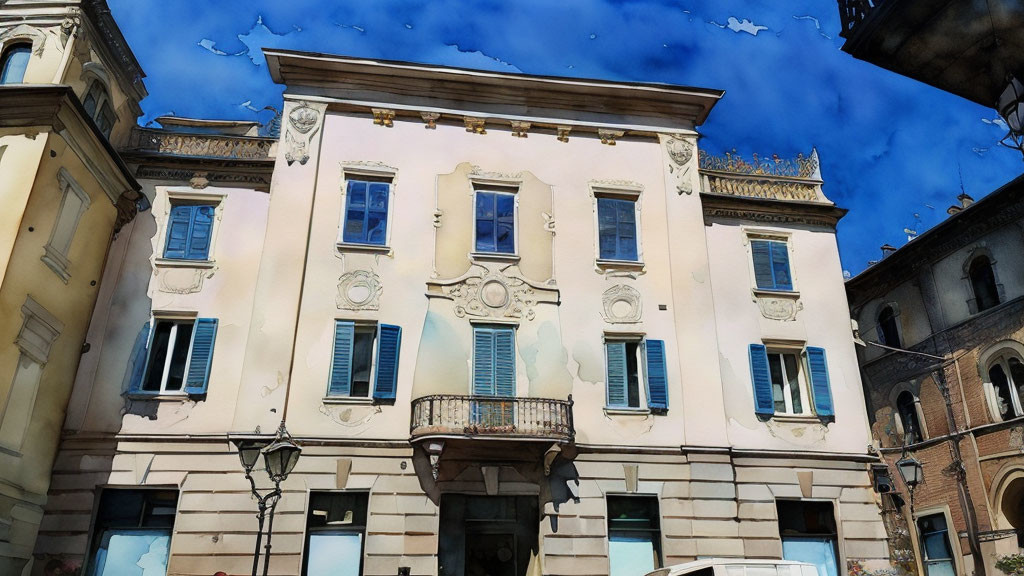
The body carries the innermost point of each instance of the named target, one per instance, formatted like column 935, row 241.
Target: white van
column 738, row 567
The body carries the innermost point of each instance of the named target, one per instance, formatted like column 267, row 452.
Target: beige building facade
column 516, row 323
column 69, row 93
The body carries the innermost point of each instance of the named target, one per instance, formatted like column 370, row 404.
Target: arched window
column 1006, row 378
column 983, row 282
column 906, row 407
column 888, row 330
column 97, row 106
column 14, row 63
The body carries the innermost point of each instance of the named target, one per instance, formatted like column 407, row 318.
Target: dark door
column 487, row 535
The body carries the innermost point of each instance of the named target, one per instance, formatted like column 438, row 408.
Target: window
column 132, row 532
column 906, row 407
column 888, row 327
column 74, row 202
column 779, row 378
column 771, row 264
column 634, row 535
column 189, row 232
column 335, row 533
column 935, row 546
column 364, row 353
column 495, row 221
column 97, row 106
column 616, row 229
column 808, row 531
column 366, row 212
column 1006, row 385
column 178, row 356
column 983, row 282
column 14, row 63
column 630, row 362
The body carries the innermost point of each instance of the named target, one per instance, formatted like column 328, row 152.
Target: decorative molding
column 383, row 117
column 500, row 178
column 803, row 167
column 597, row 187
column 609, row 136
column 563, row 133
column 520, row 128
column 430, row 119
column 200, row 145
column 144, row 172
column 494, row 290
column 38, row 331
column 549, row 222
column 373, row 167
column 475, row 125
column 796, row 179
column 680, row 152
column 359, row 290
column 26, row 32
column 199, row 181
column 766, row 211
column 182, row 279
column 778, row 306
column 303, row 123
column 437, row 218
column 622, row 305
column 758, row 188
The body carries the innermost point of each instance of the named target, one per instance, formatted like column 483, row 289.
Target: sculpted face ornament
column 303, row 122
column 303, row 119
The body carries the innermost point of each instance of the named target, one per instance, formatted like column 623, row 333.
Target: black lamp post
column 912, row 472
column 279, row 457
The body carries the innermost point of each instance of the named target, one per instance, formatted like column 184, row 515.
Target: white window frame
column 177, row 319
column 497, row 186
column 803, row 382
column 56, row 256
column 772, row 235
column 629, row 191
column 1016, row 407
column 173, row 197
column 359, row 171
column 102, row 98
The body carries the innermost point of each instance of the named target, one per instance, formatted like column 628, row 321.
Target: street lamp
column 279, row 457
column 912, row 472
column 1011, row 107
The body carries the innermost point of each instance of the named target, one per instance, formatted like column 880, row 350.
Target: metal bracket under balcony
column 453, row 416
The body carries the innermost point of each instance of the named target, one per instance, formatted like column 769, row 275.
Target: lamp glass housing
column 1011, row 105
column 911, row 471
column 249, row 452
column 281, row 458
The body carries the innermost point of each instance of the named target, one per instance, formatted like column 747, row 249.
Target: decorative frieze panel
column 757, row 188
column 621, row 305
column 778, row 306
column 200, row 145
column 359, row 290
column 493, row 291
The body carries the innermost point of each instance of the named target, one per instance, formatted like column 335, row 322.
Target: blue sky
column 892, row 149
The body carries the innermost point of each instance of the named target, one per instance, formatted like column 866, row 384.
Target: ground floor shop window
column 808, row 531
column 132, row 532
column 935, row 547
column 335, row 530
column 634, row 535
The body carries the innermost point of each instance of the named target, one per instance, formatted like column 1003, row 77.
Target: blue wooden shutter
column 657, row 375
column 780, row 266
column 201, row 356
column 504, row 362
column 137, row 361
column 760, row 375
column 762, row 263
column 341, row 365
column 483, row 361
column 821, row 390
column 389, row 341
column 616, row 373
column 200, row 233
column 178, row 231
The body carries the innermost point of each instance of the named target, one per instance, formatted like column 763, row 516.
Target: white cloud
column 740, row 26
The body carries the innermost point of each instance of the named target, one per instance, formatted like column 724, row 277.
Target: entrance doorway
column 487, row 535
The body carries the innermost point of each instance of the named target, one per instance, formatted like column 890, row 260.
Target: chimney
column 887, row 249
column 965, row 200
column 954, row 209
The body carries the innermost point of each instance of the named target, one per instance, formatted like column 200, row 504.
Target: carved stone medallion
column 680, row 152
column 359, row 290
column 779, row 307
column 303, row 122
column 622, row 305
column 175, row 280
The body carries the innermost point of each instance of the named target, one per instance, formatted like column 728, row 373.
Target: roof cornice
column 409, row 86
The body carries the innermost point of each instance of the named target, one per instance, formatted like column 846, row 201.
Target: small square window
column 366, row 212
column 132, row 532
column 495, row 222
column 771, row 265
column 365, row 360
column 808, row 531
column 189, row 232
column 335, row 533
column 634, row 535
column 616, row 229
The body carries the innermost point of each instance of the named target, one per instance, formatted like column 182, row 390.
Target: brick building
column 943, row 320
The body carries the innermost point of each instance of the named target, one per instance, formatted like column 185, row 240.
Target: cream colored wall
column 823, row 322
column 19, row 160
column 912, row 321
column 1007, row 248
column 70, row 303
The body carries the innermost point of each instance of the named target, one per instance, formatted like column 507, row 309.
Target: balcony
column 451, row 416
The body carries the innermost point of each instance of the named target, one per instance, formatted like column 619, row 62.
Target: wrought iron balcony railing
column 853, row 12
column 496, row 416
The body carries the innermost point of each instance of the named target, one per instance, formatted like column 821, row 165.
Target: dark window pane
column 157, row 356
column 339, row 509
column 485, row 236
column 778, row 388
column 357, row 194
column 506, row 207
column 176, row 374
column 633, row 512
column 15, row 63
column 780, row 266
column 983, row 281
column 378, row 196
column 1002, row 388
column 362, row 359
column 485, row 205
column 792, row 380
column 632, row 375
column 506, row 238
column 907, row 409
column 354, row 226
column 376, row 225
column 1017, row 376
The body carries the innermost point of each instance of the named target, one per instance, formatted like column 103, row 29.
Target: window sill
column 348, row 400
column 796, row 419
column 619, row 264
column 56, row 262
column 182, row 263
column 368, row 248
column 158, row 397
column 622, row 411
column 776, row 293
column 10, row 451
column 494, row 256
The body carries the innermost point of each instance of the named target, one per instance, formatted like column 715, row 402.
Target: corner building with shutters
column 517, row 323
